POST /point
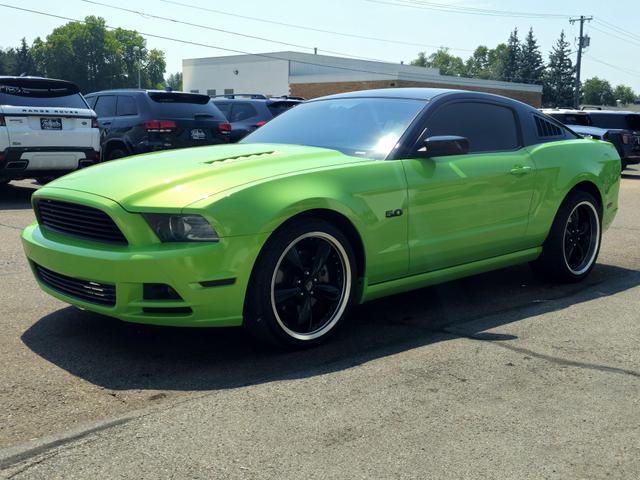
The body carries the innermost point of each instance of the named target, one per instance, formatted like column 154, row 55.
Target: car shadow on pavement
column 123, row 356
column 16, row 197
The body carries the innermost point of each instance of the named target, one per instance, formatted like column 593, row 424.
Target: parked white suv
column 46, row 129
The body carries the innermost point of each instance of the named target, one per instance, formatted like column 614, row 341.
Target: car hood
column 176, row 178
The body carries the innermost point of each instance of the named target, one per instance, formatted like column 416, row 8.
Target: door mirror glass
column 444, row 145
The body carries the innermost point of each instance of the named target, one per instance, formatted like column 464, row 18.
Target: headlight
column 181, row 228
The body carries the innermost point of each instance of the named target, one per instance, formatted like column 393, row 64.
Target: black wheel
column 571, row 250
column 302, row 285
column 116, row 153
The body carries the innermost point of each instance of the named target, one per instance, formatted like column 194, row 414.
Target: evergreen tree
column 512, row 61
column 24, row 60
column 559, row 77
column 531, row 63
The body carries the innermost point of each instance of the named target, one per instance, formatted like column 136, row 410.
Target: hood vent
column 239, row 157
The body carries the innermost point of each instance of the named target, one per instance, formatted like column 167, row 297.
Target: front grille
column 78, row 220
column 88, row 291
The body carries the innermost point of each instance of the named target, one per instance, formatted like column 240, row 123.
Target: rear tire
column 302, row 285
column 572, row 247
column 116, row 153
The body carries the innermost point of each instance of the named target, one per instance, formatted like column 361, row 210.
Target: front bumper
column 181, row 266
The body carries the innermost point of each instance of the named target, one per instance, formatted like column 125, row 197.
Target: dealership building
column 308, row 75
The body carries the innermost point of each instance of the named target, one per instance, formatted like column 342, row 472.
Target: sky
column 424, row 26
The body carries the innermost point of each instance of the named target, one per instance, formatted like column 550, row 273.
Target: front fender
column 362, row 192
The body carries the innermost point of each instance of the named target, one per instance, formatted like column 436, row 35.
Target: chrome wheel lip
column 344, row 298
column 595, row 240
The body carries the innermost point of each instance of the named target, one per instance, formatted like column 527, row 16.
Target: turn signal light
column 94, row 123
column 626, row 138
column 224, row 127
column 260, row 124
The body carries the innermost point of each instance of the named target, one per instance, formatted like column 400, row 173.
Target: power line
column 447, row 8
column 611, row 34
column 633, row 73
column 207, row 27
column 312, row 29
column 225, row 49
column 618, row 29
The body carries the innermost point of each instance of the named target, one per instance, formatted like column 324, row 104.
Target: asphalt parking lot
column 495, row 376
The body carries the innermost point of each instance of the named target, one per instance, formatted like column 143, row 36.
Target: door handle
column 520, row 170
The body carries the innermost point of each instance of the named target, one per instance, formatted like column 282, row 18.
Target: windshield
column 363, row 127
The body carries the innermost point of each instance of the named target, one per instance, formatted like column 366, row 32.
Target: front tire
column 572, row 248
column 302, row 285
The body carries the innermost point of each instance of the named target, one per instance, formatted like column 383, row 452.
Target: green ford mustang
column 338, row 201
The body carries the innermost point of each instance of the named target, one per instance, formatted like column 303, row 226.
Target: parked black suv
column 246, row 112
column 620, row 128
column 140, row 121
column 626, row 125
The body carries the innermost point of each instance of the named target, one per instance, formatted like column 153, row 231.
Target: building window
column 228, row 91
column 211, row 92
column 194, row 91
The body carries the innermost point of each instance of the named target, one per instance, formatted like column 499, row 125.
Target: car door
column 105, row 108
column 464, row 208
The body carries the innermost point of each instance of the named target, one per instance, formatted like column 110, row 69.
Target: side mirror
column 444, row 145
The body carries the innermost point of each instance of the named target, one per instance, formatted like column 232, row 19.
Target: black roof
column 416, row 93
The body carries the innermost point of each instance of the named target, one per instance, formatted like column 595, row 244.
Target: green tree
column 7, row 61
column 624, row 94
column 478, row 64
column 154, row 68
column 441, row 59
column 497, row 60
column 512, row 60
column 174, row 81
column 559, row 76
column 421, row 61
column 531, row 63
column 596, row 91
column 96, row 58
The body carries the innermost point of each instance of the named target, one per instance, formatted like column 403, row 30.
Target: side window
column 126, row 106
column 91, row 101
column 242, row 111
column 488, row 127
column 106, row 106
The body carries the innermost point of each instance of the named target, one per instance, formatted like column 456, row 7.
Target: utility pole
column 582, row 43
